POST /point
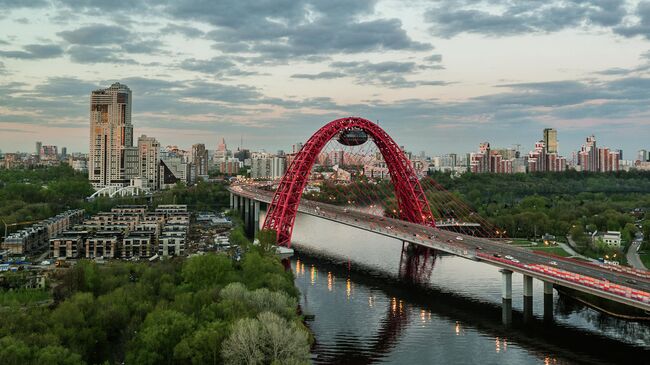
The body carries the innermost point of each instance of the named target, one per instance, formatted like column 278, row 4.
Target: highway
column 479, row 249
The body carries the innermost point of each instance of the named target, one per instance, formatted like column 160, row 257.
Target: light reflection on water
column 365, row 315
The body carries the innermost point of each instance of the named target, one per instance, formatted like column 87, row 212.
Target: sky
column 440, row 76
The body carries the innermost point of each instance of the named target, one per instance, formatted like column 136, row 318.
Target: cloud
column 641, row 27
column 290, row 28
column 97, row 34
column 15, row 4
column 216, row 66
column 388, row 73
column 188, row 32
column 86, row 54
column 325, row 75
column 505, row 18
column 35, row 51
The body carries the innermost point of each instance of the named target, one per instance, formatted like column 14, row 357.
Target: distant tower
column 111, row 136
column 550, row 140
column 39, row 144
column 222, row 145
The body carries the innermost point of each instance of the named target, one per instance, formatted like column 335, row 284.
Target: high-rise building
column 49, row 152
column 261, row 167
column 550, row 140
column 64, row 153
column 39, row 144
column 588, row 155
column 149, row 162
column 642, row 156
column 111, row 135
column 199, row 161
column 278, row 167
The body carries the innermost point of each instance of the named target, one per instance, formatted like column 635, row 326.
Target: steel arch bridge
column 412, row 202
column 119, row 191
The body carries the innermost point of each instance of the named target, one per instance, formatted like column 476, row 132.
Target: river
column 368, row 311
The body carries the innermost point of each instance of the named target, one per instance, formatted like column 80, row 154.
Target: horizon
column 435, row 83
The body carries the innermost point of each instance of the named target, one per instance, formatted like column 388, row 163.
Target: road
column 469, row 247
column 633, row 257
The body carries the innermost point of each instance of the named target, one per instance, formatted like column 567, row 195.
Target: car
column 509, row 257
column 449, row 241
column 459, row 238
column 479, row 247
column 496, row 255
column 630, row 281
column 554, row 263
column 515, row 261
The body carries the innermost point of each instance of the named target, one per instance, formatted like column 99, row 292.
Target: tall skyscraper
column 148, row 151
column 111, row 136
column 199, row 161
column 39, row 144
column 550, row 140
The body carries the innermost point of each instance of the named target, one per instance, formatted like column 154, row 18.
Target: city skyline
column 436, row 83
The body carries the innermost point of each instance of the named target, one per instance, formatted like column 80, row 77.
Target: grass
column 23, row 297
column 556, row 250
column 521, row 241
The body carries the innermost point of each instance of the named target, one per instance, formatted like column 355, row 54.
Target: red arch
column 411, row 199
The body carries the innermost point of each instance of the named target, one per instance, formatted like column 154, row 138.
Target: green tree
column 161, row 332
column 267, row 339
column 14, row 352
column 208, row 271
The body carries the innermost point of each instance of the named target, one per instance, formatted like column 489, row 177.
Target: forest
column 208, row 309
column 527, row 205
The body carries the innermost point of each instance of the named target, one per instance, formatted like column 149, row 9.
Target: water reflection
column 384, row 320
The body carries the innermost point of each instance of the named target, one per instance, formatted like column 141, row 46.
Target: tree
column 578, row 236
column 57, row 355
column 161, row 332
column 208, row 271
column 267, row 339
column 14, row 352
column 204, row 346
column 268, row 239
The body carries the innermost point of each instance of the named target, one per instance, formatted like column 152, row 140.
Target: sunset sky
column 439, row 76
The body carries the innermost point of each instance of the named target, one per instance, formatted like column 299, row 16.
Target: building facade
column 111, row 133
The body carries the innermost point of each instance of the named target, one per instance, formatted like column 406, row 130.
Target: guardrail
column 583, row 280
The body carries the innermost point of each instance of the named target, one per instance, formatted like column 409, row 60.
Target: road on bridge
column 494, row 252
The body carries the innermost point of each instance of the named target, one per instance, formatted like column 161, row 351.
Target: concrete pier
column 256, row 217
column 247, row 214
column 506, row 296
column 528, row 298
column 548, row 301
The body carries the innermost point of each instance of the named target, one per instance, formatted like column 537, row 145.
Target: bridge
column 120, row 191
column 417, row 226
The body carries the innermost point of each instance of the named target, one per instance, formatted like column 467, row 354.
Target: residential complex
column 34, row 238
column 126, row 232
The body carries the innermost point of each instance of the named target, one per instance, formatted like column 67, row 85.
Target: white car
column 459, row 238
column 554, row 263
column 509, row 257
column 515, row 261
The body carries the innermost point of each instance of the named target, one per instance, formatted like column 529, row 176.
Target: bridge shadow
column 536, row 335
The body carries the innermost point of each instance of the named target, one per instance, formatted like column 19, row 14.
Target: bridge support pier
column 232, row 201
column 247, row 215
column 256, row 217
column 506, row 296
column 235, row 202
column 528, row 298
column 548, row 301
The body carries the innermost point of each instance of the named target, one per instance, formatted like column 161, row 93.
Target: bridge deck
column 627, row 287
